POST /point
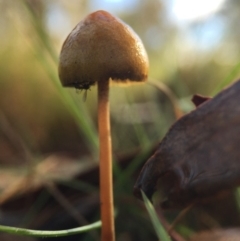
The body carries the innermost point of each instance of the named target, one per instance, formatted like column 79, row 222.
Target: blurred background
column 48, row 134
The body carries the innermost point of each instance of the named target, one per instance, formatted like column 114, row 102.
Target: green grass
column 159, row 229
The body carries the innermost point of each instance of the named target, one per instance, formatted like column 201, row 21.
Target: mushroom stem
column 106, row 183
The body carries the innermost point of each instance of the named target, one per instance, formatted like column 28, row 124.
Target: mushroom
column 102, row 49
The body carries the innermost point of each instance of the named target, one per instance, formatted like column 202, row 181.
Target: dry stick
column 180, row 216
column 172, row 98
column 15, row 138
column 173, row 234
column 63, row 201
column 106, row 183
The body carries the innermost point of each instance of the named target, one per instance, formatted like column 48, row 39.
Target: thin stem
column 172, row 98
column 41, row 233
column 64, row 202
column 105, row 145
column 180, row 217
column 172, row 233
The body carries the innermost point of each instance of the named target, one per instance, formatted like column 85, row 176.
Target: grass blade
column 160, row 231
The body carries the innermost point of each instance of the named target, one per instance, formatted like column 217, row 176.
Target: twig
column 168, row 92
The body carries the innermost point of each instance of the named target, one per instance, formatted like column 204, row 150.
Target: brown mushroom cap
column 102, row 47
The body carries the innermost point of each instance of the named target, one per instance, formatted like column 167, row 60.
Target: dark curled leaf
column 199, row 99
column 200, row 155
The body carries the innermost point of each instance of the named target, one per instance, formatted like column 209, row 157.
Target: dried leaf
column 199, row 157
